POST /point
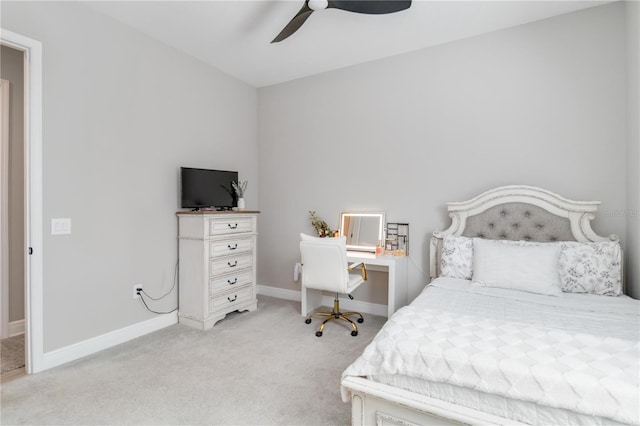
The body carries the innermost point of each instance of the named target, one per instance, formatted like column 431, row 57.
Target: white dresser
column 217, row 252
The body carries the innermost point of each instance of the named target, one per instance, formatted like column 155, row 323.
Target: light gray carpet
column 254, row 368
column 12, row 353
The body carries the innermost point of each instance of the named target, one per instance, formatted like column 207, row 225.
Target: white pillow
column 530, row 268
column 456, row 260
column 590, row 268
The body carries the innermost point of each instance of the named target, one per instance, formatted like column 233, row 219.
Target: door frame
column 4, row 214
column 33, row 208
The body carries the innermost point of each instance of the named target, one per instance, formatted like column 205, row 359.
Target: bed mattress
column 536, row 359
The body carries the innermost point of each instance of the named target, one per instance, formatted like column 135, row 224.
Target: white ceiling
column 234, row 36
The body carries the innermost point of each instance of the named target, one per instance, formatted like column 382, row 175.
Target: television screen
column 202, row 188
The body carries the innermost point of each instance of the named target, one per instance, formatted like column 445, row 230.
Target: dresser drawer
column 229, row 264
column 229, row 281
column 231, row 225
column 223, row 248
column 230, row 299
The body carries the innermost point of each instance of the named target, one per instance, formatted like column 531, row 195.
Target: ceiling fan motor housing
column 318, row 4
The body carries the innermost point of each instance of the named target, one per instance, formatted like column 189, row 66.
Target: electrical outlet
column 136, row 288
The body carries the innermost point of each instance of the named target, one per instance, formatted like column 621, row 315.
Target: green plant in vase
column 240, row 188
column 321, row 227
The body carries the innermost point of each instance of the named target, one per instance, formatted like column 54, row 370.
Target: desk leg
column 398, row 283
column 311, row 300
column 392, row 297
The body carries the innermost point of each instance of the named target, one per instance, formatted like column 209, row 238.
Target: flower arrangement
column 321, row 227
column 239, row 188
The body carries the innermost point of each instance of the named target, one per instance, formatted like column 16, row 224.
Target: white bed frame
column 374, row 403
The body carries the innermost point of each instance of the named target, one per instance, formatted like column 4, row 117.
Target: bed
column 472, row 350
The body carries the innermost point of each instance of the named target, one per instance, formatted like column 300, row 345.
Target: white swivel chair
column 325, row 267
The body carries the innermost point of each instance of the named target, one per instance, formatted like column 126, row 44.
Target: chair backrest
column 324, row 263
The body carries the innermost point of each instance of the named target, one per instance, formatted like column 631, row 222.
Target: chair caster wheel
column 307, row 321
column 319, row 333
column 360, row 320
column 354, row 333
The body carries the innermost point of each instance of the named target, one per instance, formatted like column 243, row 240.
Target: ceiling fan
column 370, row 7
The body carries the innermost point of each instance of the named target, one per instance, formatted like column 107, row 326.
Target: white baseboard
column 107, row 340
column 351, row 305
column 16, row 328
column 278, row 293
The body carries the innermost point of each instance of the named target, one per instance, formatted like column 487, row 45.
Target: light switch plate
column 61, row 226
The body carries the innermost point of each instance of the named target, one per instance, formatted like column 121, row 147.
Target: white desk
column 396, row 266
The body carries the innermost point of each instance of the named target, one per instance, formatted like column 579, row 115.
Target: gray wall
column 12, row 70
column 541, row 104
column 121, row 114
column 633, row 155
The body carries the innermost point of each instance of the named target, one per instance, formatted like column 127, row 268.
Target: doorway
column 12, row 212
column 30, row 248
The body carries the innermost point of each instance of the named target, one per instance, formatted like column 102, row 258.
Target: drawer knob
column 235, row 246
column 234, row 226
column 234, row 298
column 234, row 281
column 234, row 264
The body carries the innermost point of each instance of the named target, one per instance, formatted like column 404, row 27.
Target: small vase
column 240, row 203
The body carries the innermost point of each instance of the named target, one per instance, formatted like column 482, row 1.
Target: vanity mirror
column 363, row 230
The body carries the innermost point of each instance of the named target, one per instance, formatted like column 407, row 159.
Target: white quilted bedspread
column 576, row 353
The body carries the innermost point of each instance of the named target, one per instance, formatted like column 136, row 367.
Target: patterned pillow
column 457, row 257
column 590, row 268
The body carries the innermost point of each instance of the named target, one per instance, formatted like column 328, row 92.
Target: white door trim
column 4, row 206
column 34, row 276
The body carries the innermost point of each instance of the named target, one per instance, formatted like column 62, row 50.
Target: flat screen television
column 203, row 188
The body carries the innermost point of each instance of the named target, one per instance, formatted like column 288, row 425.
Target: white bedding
column 508, row 408
column 577, row 353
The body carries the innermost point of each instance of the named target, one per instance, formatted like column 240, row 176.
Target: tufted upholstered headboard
column 518, row 212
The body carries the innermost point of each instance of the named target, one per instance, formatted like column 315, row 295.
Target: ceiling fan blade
column 295, row 23
column 370, row 7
